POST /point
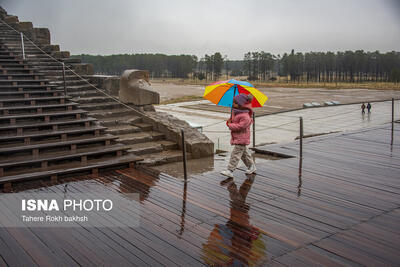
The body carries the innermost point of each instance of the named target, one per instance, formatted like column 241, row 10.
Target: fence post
column 392, row 110
column 254, row 130
column 301, row 137
column 65, row 87
column 184, row 155
column 22, row 46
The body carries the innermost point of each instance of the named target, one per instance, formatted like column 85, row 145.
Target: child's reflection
column 236, row 243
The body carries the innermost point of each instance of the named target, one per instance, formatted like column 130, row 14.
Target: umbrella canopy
column 222, row 93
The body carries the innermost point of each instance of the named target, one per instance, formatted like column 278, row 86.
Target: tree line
column 348, row 66
column 159, row 65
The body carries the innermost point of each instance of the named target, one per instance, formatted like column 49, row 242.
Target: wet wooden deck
column 338, row 206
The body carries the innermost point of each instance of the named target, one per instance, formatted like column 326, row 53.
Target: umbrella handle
column 234, row 92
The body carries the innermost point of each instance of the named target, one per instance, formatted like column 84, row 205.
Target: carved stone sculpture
column 135, row 88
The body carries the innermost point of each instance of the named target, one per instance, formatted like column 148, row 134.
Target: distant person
column 239, row 124
column 363, row 108
column 369, row 107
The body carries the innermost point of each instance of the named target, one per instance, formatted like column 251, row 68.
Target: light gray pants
column 240, row 152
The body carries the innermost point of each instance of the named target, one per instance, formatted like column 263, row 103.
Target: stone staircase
column 140, row 137
column 43, row 134
column 34, row 88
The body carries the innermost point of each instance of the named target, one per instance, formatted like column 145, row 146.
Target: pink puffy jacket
column 240, row 128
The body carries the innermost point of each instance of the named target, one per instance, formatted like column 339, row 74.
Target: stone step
column 6, row 53
column 27, row 138
column 69, row 169
column 69, row 83
column 27, row 87
column 13, row 60
column 47, row 69
column 12, row 43
column 37, row 149
column 140, row 137
column 21, row 76
column 57, row 78
column 44, row 56
column 25, row 164
column 16, row 45
column 151, row 147
column 6, row 65
column 8, row 56
column 15, row 119
column 8, row 31
column 102, row 106
column 144, row 126
column 35, row 93
column 111, row 114
column 115, row 121
column 145, row 148
column 122, row 129
column 23, row 82
column 44, row 64
column 163, row 157
column 4, row 102
column 93, row 99
column 58, row 72
column 85, row 93
column 13, row 71
column 55, row 125
column 18, row 50
column 37, row 108
column 34, row 59
column 79, row 88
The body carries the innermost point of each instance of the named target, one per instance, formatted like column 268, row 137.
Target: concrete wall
column 110, row 84
column 196, row 143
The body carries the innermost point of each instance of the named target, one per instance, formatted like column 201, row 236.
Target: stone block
column 51, row 48
column 42, row 35
column 84, row 69
column 197, row 143
column 135, row 88
column 61, row 54
column 30, row 34
column 11, row 19
column 3, row 13
column 108, row 83
column 25, row 26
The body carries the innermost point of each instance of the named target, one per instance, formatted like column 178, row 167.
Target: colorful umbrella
column 222, row 93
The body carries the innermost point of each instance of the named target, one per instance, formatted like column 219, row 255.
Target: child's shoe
column 227, row 173
column 252, row 169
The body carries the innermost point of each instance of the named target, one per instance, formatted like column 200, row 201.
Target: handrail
column 76, row 74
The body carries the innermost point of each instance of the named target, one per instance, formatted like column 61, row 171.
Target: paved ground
column 280, row 99
column 284, row 127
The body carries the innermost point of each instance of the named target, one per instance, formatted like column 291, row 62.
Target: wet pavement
column 207, row 165
column 284, row 127
column 338, row 206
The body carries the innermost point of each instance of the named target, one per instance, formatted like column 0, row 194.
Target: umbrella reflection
column 235, row 243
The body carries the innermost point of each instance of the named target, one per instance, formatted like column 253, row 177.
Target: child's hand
column 229, row 121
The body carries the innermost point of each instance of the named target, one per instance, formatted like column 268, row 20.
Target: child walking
column 239, row 124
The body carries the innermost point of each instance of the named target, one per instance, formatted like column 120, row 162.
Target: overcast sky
column 232, row 27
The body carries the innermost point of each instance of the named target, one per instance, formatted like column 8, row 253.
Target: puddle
column 215, row 163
